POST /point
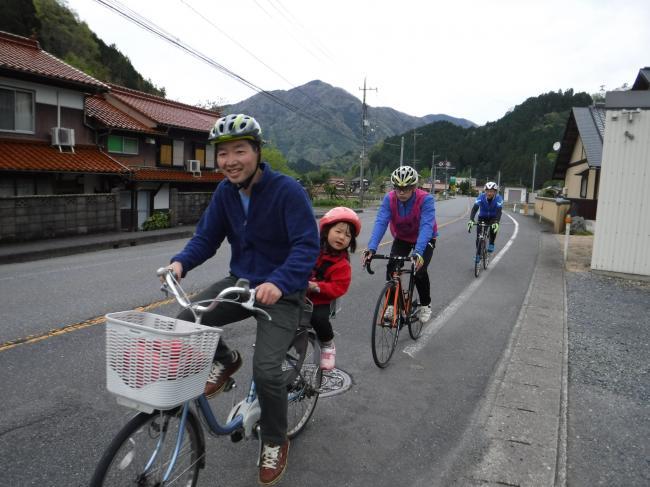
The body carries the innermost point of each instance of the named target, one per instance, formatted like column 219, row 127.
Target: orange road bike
column 397, row 306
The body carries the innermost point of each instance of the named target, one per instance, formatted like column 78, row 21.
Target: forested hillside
column 507, row 145
column 60, row 32
column 333, row 125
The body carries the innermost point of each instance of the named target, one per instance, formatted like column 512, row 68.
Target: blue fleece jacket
column 427, row 217
column 277, row 241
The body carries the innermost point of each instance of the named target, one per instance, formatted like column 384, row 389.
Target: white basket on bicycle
column 156, row 362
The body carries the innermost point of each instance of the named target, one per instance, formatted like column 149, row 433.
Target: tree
column 276, row 159
column 465, row 188
column 330, row 190
column 19, row 17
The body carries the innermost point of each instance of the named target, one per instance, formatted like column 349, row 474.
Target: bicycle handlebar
column 396, row 258
column 245, row 296
column 479, row 224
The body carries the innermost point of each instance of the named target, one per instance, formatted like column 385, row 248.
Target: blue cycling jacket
column 488, row 209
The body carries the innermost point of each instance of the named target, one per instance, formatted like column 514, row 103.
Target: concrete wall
column 37, row 217
column 187, row 208
column 552, row 210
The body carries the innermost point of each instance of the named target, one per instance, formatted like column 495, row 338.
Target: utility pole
column 499, row 180
column 532, row 189
column 415, row 134
column 401, row 154
column 433, row 172
column 364, row 129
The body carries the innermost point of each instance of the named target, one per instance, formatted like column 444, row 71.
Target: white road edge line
column 432, row 328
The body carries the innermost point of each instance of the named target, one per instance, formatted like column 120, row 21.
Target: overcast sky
column 473, row 59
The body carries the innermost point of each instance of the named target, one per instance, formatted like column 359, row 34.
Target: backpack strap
column 322, row 269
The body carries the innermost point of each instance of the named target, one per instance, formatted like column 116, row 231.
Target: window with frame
column 583, row 185
column 165, row 154
column 122, row 145
column 199, row 154
column 16, row 110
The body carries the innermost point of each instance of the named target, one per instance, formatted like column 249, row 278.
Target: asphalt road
column 398, row 426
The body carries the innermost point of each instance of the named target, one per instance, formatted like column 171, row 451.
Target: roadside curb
column 45, row 249
column 525, row 424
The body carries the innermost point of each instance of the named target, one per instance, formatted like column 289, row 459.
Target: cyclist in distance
column 488, row 205
column 410, row 212
column 330, row 278
column 269, row 223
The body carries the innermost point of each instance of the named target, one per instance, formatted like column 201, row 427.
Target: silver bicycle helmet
column 404, row 176
column 235, row 127
column 491, row 185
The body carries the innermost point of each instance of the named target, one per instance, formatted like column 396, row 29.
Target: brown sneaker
column 220, row 374
column 273, row 462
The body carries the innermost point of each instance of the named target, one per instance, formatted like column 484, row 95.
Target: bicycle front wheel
column 486, row 257
column 477, row 259
column 303, row 390
column 385, row 326
column 143, row 450
column 415, row 323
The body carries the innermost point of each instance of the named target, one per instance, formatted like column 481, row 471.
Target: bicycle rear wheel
column 385, row 330
column 142, row 451
column 304, row 376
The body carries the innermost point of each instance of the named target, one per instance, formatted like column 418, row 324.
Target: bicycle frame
column 405, row 299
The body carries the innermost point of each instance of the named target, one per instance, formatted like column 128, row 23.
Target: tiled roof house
column 39, row 93
column 64, row 132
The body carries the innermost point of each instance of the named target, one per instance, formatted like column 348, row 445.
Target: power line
column 313, row 100
column 154, row 29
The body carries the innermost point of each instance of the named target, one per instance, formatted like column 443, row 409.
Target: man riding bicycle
column 411, row 214
column 489, row 205
column 269, row 223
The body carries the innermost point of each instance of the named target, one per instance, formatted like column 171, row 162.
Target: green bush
column 160, row 219
column 328, row 202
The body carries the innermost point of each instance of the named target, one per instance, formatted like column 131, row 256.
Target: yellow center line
column 101, row 319
column 73, row 327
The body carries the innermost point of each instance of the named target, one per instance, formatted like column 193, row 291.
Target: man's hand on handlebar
column 267, row 293
column 176, row 268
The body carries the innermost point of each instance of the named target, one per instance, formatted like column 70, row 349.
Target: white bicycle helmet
column 235, row 127
column 491, row 185
column 404, row 176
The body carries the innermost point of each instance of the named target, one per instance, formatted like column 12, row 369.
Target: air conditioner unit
column 62, row 136
column 194, row 166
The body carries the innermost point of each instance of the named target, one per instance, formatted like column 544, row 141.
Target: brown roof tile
column 98, row 108
column 41, row 157
column 166, row 112
column 25, row 55
column 157, row 174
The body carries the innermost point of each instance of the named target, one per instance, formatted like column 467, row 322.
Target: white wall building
column 622, row 242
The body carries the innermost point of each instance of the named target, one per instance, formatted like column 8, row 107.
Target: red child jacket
column 336, row 279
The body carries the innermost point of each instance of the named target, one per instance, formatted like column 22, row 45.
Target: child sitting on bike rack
column 332, row 274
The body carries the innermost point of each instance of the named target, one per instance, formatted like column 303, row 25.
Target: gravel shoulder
column 609, row 375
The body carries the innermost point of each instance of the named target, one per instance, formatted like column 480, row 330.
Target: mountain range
column 317, row 122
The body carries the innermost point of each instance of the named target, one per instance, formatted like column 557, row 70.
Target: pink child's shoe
column 327, row 357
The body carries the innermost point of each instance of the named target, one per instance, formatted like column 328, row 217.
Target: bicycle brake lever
column 164, row 289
